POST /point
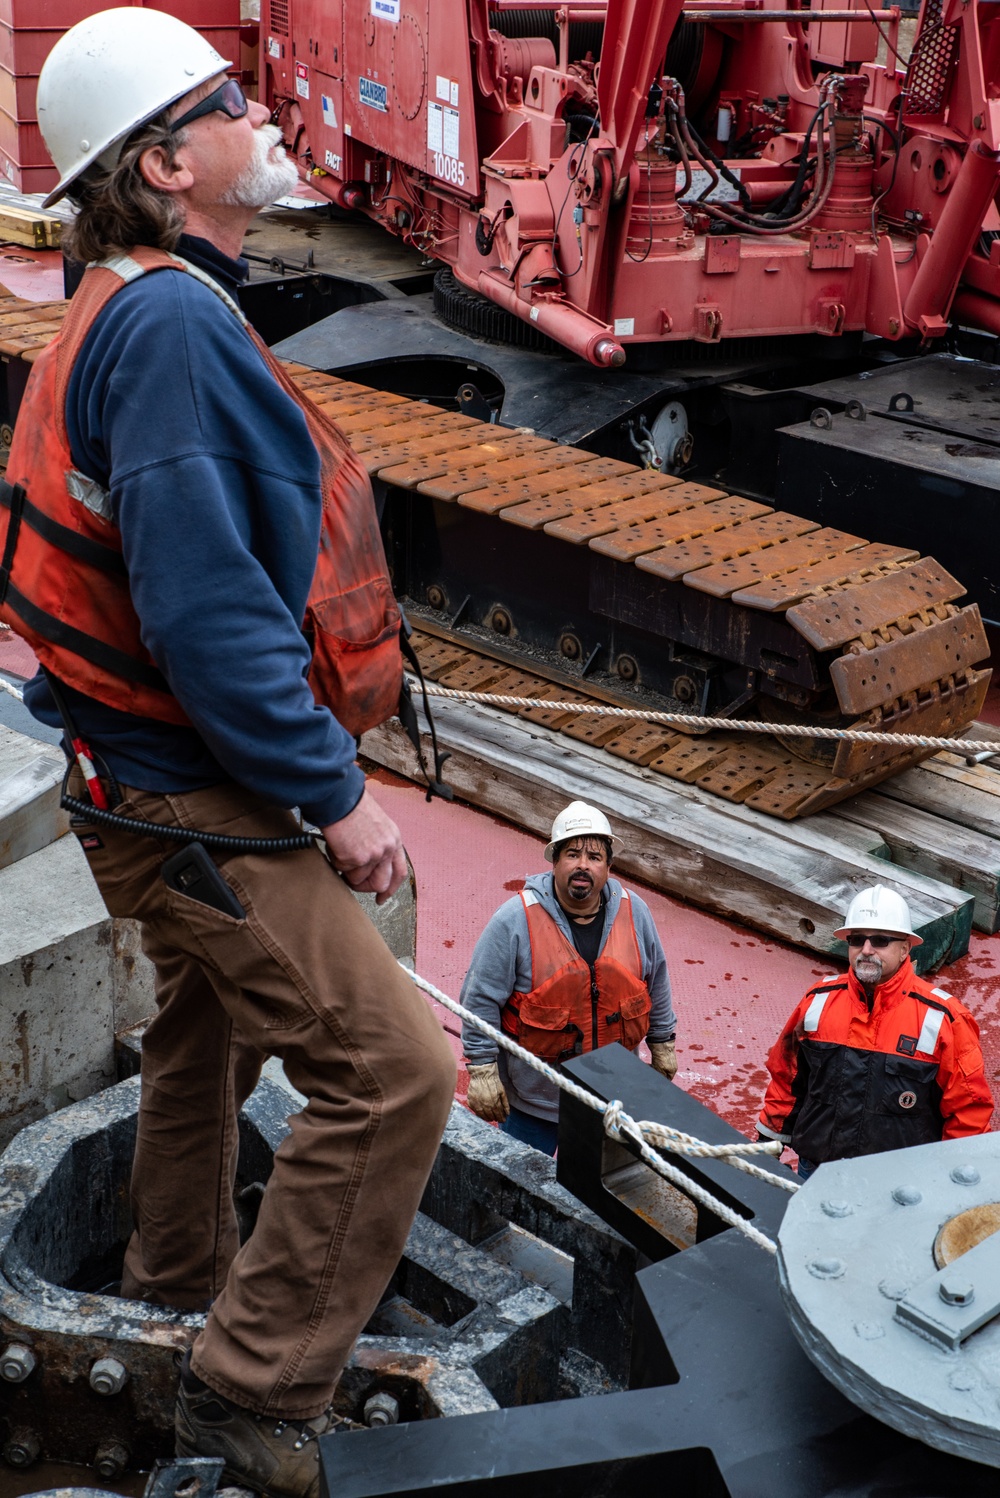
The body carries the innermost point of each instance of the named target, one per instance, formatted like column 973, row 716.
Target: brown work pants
column 306, row 977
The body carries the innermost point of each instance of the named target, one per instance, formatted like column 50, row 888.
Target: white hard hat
column 880, row 909
column 109, row 74
column 580, row 820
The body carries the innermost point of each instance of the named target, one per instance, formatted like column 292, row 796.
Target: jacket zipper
column 594, row 996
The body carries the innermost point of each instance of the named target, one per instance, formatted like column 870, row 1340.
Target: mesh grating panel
column 279, row 17
column 927, row 80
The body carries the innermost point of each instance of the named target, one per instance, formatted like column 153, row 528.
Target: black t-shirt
column 587, row 934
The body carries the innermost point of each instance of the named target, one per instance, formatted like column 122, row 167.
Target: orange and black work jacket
column 846, row 1080
column 63, row 581
column 572, row 1008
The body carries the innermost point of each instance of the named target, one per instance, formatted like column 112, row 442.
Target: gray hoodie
column 501, row 966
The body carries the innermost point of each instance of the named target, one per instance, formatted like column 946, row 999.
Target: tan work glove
column 487, row 1098
column 663, row 1058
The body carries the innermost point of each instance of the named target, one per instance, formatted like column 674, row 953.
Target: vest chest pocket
column 908, row 1087
column 630, row 1020
column 546, row 1030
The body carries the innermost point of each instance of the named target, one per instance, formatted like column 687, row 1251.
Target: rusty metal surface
column 463, row 1326
column 588, row 523
column 910, row 656
column 834, row 619
column 962, row 1233
column 779, row 593
column 864, row 678
column 701, row 519
column 942, row 710
column 725, row 578
column 684, row 557
column 762, row 773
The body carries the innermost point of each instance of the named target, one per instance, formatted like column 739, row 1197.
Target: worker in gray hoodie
column 572, row 963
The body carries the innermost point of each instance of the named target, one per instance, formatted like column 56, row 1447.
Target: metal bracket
column 952, row 1304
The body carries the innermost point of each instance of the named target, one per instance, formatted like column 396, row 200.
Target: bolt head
column 827, row 1268
column 965, row 1175
column 17, row 1363
column 907, row 1196
column 836, row 1208
column 956, row 1292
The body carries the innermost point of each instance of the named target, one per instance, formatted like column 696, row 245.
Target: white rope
column 619, row 1125
column 736, row 725
column 12, row 691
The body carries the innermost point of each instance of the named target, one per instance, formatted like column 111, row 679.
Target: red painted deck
column 35, row 275
column 733, row 990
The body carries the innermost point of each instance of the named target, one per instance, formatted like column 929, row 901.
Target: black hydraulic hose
column 681, row 150
column 720, row 166
column 788, row 203
column 217, row 840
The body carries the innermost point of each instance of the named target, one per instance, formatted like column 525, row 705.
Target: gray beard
column 263, row 180
column 868, row 972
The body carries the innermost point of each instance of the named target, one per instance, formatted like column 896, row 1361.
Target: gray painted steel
column 863, row 1292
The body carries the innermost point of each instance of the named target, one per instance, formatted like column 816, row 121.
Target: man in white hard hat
column 160, row 533
column 877, row 1059
column 572, row 963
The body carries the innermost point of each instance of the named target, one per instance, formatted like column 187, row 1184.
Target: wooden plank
column 964, row 796
column 930, row 844
column 22, row 226
column 785, row 879
column 855, row 836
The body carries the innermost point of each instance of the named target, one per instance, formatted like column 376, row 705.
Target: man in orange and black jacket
column 875, row 1059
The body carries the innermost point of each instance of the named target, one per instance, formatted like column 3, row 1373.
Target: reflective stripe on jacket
column 848, row 1081
column 571, row 1008
column 63, row 581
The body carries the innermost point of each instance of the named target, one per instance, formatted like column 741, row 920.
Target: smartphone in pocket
column 192, row 872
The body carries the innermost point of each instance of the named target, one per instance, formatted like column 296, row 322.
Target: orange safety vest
column 571, row 1009
column 63, row 581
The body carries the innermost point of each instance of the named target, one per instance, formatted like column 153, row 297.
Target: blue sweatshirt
column 214, row 485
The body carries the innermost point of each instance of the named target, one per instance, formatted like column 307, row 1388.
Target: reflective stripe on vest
column 930, row 1030
column 62, row 582
column 810, row 1023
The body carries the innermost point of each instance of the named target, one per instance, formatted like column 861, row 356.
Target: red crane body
column 626, row 171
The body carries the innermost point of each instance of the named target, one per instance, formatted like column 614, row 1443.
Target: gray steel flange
column 914, row 1344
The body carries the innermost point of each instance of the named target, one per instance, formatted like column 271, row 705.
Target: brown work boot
column 273, row 1456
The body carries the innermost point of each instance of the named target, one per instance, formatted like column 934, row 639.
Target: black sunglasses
column 229, row 98
column 858, row 939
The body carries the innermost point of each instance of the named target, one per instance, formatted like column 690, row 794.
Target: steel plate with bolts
column 890, row 1273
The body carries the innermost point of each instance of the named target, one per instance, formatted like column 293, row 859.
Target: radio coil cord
column 102, row 816
column 216, row 840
